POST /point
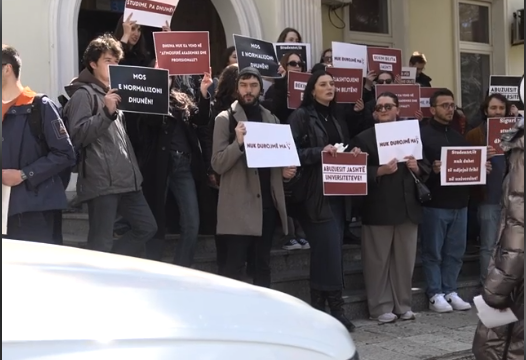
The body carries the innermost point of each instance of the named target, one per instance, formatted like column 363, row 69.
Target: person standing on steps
column 249, row 199
column 316, row 128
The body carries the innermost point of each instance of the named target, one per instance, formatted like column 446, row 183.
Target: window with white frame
column 475, row 51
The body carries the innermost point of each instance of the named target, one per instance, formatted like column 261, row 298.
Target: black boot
column 335, row 300
column 318, row 299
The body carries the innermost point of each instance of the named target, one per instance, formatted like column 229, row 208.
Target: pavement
column 431, row 336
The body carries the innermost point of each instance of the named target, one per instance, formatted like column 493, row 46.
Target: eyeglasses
column 387, row 107
column 295, row 63
column 447, row 106
column 381, row 82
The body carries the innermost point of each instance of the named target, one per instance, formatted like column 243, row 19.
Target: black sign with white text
column 142, row 90
column 509, row 86
column 303, row 50
column 258, row 54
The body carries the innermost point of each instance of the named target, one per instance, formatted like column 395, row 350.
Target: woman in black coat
column 316, row 129
column 390, row 216
column 160, row 159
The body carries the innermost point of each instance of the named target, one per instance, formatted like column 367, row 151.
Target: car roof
column 54, row 292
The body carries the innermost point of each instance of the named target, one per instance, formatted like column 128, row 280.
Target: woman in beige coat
column 504, row 286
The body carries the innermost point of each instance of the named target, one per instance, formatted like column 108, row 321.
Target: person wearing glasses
column 445, row 217
column 389, row 236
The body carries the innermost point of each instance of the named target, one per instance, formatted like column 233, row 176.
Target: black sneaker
column 304, row 244
column 292, row 244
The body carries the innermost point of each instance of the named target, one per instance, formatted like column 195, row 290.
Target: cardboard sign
column 149, row 12
column 463, row 166
column 349, row 56
column 302, row 49
column 270, row 145
column 297, row 81
column 408, row 96
column 143, row 90
column 385, row 59
column 349, row 84
column 183, row 52
column 344, row 174
column 509, row 86
column 397, row 140
column 425, row 103
column 408, row 75
column 496, row 128
column 258, row 54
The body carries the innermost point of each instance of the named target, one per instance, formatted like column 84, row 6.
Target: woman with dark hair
column 225, row 95
column 289, row 35
column 326, row 57
column 391, row 213
column 488, row 197
column 229, row 57
column 316, row 129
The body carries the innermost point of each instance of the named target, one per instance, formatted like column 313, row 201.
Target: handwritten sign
column 270, row 145
column 345, row 174
column 397, row 140
column 496, row 128
column 149, row 12
column 463, row 166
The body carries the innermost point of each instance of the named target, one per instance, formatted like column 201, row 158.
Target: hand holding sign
column 289, row 172
column 412, row 164
column 331, row 149
column 241, row 131
column 206, row 83
column 437, row 165
column 112, row 100
column 390, row 168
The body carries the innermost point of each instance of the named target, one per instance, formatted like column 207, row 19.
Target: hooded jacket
column 504, row 286
column 108, row 163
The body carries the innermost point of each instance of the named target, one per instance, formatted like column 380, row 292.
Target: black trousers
column 32, row 226
column 238, row 251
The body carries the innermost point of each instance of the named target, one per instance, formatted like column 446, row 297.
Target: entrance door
column 97, row 17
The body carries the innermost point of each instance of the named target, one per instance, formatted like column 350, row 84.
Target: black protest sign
column 258, row 54
column 509, row 86
column 142, row 90
column 303, row 50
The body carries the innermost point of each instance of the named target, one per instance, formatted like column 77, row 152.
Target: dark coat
column 311, row 138
column 43, row 190
column 155, row 162
column 391, row 199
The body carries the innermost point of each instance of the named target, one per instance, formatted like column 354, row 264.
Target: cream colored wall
column 34, row 45
column 434, row 36
column 516, row 53
column 330, row 32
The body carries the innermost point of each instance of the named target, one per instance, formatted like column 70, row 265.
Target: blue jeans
column 182, row 185
column 444, row 234
column 489, row 222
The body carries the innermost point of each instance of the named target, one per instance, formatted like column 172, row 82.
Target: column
column 305, row 16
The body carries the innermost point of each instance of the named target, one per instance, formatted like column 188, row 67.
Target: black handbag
column 422, row 191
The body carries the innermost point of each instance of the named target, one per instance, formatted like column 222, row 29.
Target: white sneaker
column 304, row 244
column 409, row 315
column 439, row 304
column 457, row 303
column 386, row 318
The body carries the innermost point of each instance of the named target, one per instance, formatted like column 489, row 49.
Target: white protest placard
column 397, row 140
column 6, row 195
column 492, row 318
column 408, row 75
column 463, row 165
column 270, row 145
column 349, row 56
column 150, row 13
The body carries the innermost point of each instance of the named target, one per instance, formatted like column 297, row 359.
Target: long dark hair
column 285, row 60
column 308, row 98
column 225, row 93
column 285, row 32
column 140, row 48
column 225, row 58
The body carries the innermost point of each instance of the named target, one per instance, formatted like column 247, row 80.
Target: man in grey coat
column 109, row 177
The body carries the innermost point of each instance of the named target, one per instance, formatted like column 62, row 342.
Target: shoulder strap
column 94, row 99
column 35, row 122
column 232, row 123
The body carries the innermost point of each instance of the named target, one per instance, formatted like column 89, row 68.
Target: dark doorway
column 97, row 17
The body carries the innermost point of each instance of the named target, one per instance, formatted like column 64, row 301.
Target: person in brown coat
column 504, row 286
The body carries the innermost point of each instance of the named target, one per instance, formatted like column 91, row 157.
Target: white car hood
column 60, row 293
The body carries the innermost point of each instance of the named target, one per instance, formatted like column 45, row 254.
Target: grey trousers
column 388, row 256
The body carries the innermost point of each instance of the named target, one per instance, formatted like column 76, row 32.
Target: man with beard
column 249, row 199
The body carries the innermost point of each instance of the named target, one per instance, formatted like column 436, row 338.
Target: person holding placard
column 489, row 196
column 390, row 216
column 316, row 129
column 249, row 199
column 445, row 221
column 109, row 177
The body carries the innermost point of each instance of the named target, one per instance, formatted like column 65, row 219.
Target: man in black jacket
column 444, row 225
column 419, row 62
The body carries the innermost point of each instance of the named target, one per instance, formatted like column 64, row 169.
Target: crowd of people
column 129, row 166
